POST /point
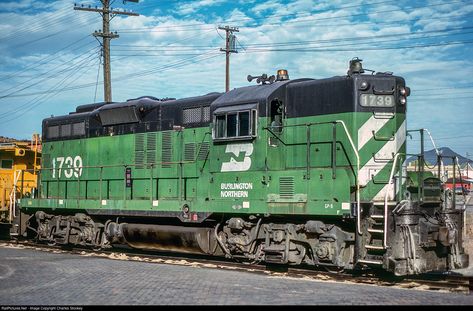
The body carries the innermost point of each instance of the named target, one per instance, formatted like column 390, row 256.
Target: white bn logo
column 234, row 165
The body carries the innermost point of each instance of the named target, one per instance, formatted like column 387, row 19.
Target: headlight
column 405, row 91
column 364, row 85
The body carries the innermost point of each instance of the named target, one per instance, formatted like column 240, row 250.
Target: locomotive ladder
column 378, row 226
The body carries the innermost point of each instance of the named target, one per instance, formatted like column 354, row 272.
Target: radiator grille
column 286, row 187
column 166, row 153
column 151, row 148
column 139, row 150
column 189, row 152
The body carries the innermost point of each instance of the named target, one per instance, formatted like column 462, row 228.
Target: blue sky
column 50, row 63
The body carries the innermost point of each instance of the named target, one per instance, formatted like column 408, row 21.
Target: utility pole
column 230, row 47
column 106, row 35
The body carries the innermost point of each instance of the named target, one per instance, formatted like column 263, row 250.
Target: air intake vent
column 151, row 148
column 166, row 143
column 139, row 150
column 189, row 152
column 286, row 187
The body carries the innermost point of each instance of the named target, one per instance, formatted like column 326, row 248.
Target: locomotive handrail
column 391, row 177
column 382, row 138
column 58, row 179
column 358, row 207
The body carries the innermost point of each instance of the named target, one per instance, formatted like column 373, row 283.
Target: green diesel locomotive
column 305, row 171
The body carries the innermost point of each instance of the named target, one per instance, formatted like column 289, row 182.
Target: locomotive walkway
column 32, row 277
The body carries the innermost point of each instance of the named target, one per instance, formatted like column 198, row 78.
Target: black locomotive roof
column 192, row 101
column 89, row 107
column 252, row 94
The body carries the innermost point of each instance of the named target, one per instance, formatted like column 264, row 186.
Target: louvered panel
column 139, row 150
column 151, row 148
column 286, row 187
column 189, row 152
column 166, row 152
column 203, row 151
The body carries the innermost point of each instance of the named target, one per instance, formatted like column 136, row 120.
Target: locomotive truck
column 296, row 172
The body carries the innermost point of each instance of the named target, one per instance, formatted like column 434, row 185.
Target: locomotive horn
column 250, row 78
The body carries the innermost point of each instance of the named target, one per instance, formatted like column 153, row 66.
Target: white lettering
column 236, row 186
column 233, row 194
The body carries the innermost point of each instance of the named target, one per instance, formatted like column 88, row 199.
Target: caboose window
column 234, row 123
column 7, row 164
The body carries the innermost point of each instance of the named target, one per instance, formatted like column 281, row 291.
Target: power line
column 53, row 93
column 47, row 36
column 41, row 23
column 399, row 37
column 174, row 65
column 325, row 49
column 50, row 57
column 52, row 74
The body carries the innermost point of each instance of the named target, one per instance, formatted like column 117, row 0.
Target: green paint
column 284, row 177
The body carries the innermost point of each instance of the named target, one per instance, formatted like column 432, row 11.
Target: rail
column 391, row 177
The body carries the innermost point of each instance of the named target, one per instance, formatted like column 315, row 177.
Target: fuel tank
column 195, row 240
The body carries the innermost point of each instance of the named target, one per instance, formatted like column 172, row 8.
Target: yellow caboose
column 19, row 164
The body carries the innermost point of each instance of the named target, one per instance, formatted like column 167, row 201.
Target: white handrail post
column 358, row 207
column 391, row 176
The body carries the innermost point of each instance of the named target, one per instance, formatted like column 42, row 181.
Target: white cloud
column 189, row 8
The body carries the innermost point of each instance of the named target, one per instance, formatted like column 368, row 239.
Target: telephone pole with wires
column 107, row 14
column 230, row 47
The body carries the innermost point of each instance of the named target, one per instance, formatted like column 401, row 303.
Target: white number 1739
column 73, row 167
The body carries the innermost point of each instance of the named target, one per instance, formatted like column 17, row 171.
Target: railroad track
column 434, row 282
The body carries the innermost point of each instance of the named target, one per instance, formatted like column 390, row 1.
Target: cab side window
column 234, row 124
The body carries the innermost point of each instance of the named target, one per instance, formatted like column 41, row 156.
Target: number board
column 371, row 100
